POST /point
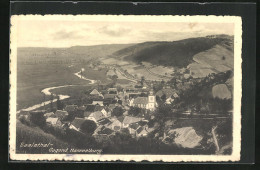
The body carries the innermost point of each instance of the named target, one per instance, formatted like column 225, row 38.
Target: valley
column 185, row 77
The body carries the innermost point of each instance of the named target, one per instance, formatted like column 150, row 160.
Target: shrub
column 88, row 127
column 117, row 111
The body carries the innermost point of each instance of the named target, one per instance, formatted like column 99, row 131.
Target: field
column 214, row 60
column 32, row 78
column 203, row 128
column 95, row 74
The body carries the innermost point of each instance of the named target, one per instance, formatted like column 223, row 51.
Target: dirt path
column 125, row 76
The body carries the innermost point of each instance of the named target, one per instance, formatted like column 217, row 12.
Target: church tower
column 151, row 101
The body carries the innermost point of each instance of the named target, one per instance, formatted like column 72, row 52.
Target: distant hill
column 71, row 52
column 176, row 53
column 97, row 50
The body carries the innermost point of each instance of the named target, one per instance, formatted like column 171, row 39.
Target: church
column 144, row 102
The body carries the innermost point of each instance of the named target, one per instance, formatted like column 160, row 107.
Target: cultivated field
column 214, row 60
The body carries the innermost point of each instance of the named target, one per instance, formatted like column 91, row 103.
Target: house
column 106, row 131
column 96, row 93
column 38, row 112
column 48, row 114
column 94, row 108
column 101, row 137
column 169, row 93
column 125, row 113
column 71, row 108
column 115, row 124
column 96, row 102
column 54, row 121
column 98, row 129
column 129, row 120
column 76, row 123
column 128, row 90
column 143, row 131
column 186, row 76
column 132, row 128
column 169, row 100
column 144, row 102
column 104, row 121
column 112, row 91
column 61, row 114
column 96, row 116
column 111, row 96
column 80, row 111
column 112, row 106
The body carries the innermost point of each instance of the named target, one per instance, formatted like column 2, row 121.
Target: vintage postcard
column 128, row 88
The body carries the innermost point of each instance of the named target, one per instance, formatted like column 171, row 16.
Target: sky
column 67, row 33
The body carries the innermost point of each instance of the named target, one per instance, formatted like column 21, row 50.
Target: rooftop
column 61, row 113
column 130, row 119
column 94, row 92
column 71, row 108
column 141, row 100
column 93, row 108
column 168, row 92
column 77, row 122
column 97, row 115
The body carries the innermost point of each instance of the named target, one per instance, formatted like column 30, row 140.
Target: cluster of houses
column 100, row 112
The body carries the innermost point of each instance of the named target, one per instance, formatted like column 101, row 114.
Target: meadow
column 33, row 78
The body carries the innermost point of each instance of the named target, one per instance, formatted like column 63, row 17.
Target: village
column 111, row 111
column 139, row 109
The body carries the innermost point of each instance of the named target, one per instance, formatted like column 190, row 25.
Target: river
column 47, row 92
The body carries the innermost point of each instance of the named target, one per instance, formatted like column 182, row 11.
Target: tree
column 117, row 111
column 51, row 106
column 143, row 94
column 114, row 78
column 60, row 105
column 223, row 58
column 163, row 97
column 38, row 119
column 120, row 102
column 134, row 111
column 88, row 127
column 142, row 80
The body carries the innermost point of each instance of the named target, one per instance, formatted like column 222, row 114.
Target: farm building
column 144, row 102
column 76, row 124
column 54, row 121
column 71, row 108
column 95, row 92
column 94, row 108
column 96, row 116
column 61, row 114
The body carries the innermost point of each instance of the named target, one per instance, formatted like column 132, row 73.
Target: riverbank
column 47, row 92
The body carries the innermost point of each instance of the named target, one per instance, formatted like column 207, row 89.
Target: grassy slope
column 32, row 78
column 176, row 53
column 211, row 61
column 31, row 135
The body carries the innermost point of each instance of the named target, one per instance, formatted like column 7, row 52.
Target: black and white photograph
column 118, row 87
